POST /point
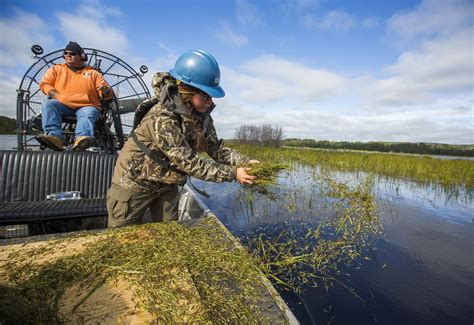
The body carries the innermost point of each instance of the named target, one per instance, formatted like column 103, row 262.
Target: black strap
column 157, row 158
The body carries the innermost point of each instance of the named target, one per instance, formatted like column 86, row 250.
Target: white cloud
column 227, row 35
column 298, row 6
column 336, row 20
column 436, row 123
column 248, row 14
column 425, row 95
column 8, row 86
column 19, row 33
column 433, row 17
column 446, row 64
column 88, row 27
column 166, row 59
column 270, row 79
column 370, row 22
column 163, row 62
column 440, row 65
column 97, row 10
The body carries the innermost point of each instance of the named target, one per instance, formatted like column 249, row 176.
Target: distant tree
column 264, row 135
column 7, row 125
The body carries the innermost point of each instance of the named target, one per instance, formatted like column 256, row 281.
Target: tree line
column 402, row 147
column 272, row 136
column 7, row 125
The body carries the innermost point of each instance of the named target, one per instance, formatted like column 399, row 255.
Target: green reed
column 423, row 169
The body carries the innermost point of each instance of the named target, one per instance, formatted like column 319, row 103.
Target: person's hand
column 105, row 92
column 243, row 177
column 52, row 93
column 254, row 162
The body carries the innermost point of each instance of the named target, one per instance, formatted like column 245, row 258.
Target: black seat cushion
column 27, row 177
column 29, row 211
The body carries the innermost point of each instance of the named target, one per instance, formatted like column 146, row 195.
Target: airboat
column 33, row 172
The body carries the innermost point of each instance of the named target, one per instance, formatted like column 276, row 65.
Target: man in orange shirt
column 74, row 89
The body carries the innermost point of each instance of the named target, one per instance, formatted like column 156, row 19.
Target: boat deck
column 180, row 272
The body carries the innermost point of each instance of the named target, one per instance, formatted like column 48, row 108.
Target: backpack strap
column 155, row 156
column 143, row 109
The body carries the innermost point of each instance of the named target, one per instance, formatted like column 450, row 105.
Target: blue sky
column 372, row 70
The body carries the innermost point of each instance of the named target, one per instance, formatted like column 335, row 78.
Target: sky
column 340, row 70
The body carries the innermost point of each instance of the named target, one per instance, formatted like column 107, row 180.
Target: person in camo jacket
column 172, row 128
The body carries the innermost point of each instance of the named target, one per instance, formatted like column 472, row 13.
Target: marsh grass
column 150, row 258
column 450, row 173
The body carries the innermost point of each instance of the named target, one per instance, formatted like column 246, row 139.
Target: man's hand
column 105, row 92
column 243, row 177
column 52, row 93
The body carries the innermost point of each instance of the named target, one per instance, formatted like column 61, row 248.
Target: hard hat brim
column 214, row 92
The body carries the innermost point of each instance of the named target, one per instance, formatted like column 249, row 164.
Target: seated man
column 74, row 89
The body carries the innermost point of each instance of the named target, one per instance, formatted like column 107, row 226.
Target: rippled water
column 420, row 271
column 8, row 142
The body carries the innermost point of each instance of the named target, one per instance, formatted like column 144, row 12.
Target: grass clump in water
column 266, row 174
column 302, row 254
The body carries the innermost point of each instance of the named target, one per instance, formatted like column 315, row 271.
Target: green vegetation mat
column 170, row 272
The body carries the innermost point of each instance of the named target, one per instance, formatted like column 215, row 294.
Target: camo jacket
column 168, row 129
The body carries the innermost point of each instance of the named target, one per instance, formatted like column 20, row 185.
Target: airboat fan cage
column 127, row 84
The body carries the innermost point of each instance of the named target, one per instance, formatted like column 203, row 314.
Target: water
column 8, row 142
column 419, row 272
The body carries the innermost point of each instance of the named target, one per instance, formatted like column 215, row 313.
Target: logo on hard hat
column 217, row 80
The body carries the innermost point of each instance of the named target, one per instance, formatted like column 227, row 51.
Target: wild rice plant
column 299, row 254
column 450, row 173
column 154, row 259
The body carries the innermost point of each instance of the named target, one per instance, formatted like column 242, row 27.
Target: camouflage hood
column 166, row 90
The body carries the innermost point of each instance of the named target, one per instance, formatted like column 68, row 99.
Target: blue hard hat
column 199, row 69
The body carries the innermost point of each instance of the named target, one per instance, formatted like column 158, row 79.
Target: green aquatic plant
column 180, row 273
column 302, row 254
column 449, row 173
column 266, row 174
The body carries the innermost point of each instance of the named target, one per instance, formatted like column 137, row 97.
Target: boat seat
column 27, row 177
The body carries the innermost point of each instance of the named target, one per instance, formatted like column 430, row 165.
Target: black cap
column 73, row 47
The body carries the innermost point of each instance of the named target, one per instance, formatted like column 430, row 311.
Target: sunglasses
column 70, row 53
column 203, row 95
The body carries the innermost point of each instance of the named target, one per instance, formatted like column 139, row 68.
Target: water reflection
column 420, row 272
